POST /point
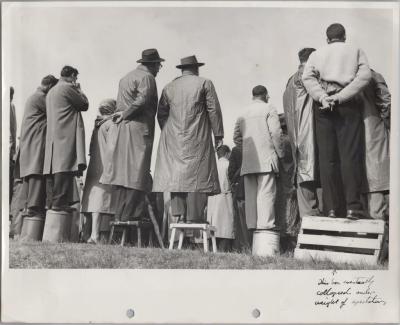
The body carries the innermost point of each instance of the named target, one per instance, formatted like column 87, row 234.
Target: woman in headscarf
column 98, row 199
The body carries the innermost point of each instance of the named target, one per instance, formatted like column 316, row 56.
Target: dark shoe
column 332, row 214
column 355, row 214
column 181, row 219
column 197, row 221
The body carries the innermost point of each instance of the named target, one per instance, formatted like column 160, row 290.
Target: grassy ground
column 82, row 256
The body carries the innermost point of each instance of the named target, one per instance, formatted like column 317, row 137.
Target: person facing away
column 12, row 143
column 32, row 147
column 220, row 206
column 334, row 75
column 259, row 134
column 130, row 144
column 65, row 155
column 188, row 114
column 98, row 200
column 298, row 106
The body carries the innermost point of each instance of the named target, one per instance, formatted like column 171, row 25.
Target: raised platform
column 205, row 228
column 340, row 239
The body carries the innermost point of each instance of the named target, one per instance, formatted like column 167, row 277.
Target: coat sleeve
column 234, row 167
column 77, row 99
column 163, row 110
column 237, row 133
column 383, row 97
column 144, row 91
column 13, row 131
column 213, row 109
column 361, row 80
column 311, row 80
column 275, row 130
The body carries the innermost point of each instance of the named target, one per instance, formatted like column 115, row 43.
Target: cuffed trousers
column 307, row 199
column 340, row 145
column 260, row 195
column 36, row 191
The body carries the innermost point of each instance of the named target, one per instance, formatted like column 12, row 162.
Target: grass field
column 37, row 255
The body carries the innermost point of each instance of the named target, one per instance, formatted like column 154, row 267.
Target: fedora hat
column 150, row 56
column 189, row 61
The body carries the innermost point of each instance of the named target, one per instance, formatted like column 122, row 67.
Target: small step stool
column 340, row 239
column 125, row 225
column 205, row 228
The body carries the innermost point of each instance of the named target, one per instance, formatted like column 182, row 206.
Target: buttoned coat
column 188, row 114
column 259, row 133
column 65, row 137
column 376, row 108
column 33, row 135
column 298, row 106
column 130, row 142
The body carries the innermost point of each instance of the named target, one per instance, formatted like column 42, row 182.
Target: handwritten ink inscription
column 339, row 291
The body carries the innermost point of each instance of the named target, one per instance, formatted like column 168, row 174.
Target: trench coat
column 33, row 135
column 188, row 112
column 65, row 138
column 131, row 141
column 220, row 206
column 376, row 108
column 298, row 106
column 98, row 197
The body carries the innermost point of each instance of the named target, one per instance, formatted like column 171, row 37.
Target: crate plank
column 337, row 241
column 337, row 257
column 204, row 226
column 343, row 224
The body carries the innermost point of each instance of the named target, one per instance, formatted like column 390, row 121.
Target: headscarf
column 107, row 106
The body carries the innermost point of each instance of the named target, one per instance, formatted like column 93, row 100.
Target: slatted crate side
column 338, row 241
column 336, row 257
column 344, row 225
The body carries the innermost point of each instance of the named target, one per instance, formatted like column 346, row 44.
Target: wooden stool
column 206, row 230
column 340, row 239
column 125, row 225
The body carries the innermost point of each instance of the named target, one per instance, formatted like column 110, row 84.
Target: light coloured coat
column 131, row 141
column 259, row 133
column 220, row 206
column 188, row 114
column 65, row 137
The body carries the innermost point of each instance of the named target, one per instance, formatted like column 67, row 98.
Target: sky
column 240, row 46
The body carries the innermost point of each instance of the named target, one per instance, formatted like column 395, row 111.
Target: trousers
column 191, row 205
column 260, row 196
column 36, row 191
column 340, row 146
column 129, row 202
column 307, row 199
column 62, row 189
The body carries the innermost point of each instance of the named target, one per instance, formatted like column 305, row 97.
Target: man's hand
column 218, row 142
column 327, row 103
column 117, row 117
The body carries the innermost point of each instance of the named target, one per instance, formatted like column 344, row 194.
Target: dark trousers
column 36, row 191
column 129, row 202
column 62, row 189
column 339, row 138
column 191, row 205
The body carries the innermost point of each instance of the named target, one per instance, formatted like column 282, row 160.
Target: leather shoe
column 332, row 214
column 355, row 214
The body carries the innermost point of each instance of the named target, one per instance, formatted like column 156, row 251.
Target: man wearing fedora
column 188, row 114
column 130, row 144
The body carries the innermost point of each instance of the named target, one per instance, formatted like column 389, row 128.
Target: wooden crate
column 340, row 240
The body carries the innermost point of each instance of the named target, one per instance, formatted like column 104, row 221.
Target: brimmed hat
column 189, row 61
column 150, row 56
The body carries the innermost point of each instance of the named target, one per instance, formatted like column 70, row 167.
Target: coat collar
column 142, row 67
column 188, row 73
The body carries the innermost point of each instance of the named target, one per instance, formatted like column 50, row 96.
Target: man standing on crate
column 188, row 114
column 130, row 143
column 32, row 147
column 333, row 76
column 65, row 155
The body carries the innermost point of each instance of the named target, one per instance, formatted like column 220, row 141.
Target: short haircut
column 259, row 91
column 305, row 53
column 68, row 71
column 335, row 31
column 223, row 150
column 49, row 80
column 11, row 92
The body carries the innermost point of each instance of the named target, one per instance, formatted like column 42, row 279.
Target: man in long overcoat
column 130, row 144
column 298, row 106
column 13, row 143
column 32, row 147
column 65, row 139
column 188, row 114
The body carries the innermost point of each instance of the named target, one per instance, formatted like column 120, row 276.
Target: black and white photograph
column 238, row 153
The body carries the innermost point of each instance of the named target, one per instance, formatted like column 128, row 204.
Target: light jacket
column 259, row 133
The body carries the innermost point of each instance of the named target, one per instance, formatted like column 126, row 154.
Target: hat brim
column 180, row 66
column 150, row 61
